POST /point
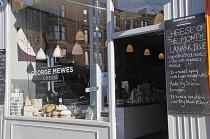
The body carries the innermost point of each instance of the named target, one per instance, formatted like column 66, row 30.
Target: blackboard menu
column 187, row 65
column 2, row 75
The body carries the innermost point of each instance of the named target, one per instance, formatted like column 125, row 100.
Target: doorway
column 141, row 87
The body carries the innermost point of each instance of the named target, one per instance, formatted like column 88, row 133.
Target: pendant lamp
column 77, row 49
column 161, row 56
column 80, row 36
column 58, row 52
column 129, row 48
column 146, row 52
column 40, row 55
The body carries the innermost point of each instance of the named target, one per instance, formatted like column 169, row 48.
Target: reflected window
column 115, row 21
column 85, row 12
column 146, row 23
column 142, row 23
column 86, row 58
column 57, row 32
column 63, row 10
column 99, row 37
column 86, row 32
column 132, row 24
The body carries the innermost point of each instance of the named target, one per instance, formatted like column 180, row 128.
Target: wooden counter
column 136, row 121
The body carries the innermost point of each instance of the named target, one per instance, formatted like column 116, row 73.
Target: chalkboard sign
column 186, row 65
column 2, row 75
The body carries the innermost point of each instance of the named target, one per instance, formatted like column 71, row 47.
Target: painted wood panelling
column 16, row 129
column 186, row 126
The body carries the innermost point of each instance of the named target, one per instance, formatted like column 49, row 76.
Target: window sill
column 59, row 120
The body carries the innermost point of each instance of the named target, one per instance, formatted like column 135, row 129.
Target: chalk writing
column 186, row 65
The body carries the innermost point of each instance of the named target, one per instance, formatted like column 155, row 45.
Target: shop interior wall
column 186, row 126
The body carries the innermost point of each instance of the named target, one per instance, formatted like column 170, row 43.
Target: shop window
column 56, row 86
column 85, row 15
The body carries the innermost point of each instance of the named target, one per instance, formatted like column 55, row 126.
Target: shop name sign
column 51, row 73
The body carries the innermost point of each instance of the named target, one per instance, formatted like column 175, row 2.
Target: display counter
column 136, row 121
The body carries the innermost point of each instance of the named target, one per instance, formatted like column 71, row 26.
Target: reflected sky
column 153, row 6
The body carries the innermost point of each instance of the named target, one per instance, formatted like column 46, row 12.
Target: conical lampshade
column 80, row 36
column 161, row 56
column 129, row 48
column 77, row 49
column 58, row 52
column 40, row 55
column 146, row 52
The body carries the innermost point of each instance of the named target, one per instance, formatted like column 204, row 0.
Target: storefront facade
column 59, row 83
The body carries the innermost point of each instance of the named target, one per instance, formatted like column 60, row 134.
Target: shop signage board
column 47, row 74
column 2, row 75
column 187, row 65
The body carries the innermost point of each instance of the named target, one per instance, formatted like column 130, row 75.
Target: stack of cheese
column 32, row 107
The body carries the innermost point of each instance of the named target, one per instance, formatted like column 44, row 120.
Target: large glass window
column 143, row 11
column 56, row 63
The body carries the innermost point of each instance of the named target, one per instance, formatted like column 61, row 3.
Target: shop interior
column 141, row 86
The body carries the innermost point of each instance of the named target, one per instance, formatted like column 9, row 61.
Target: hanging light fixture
column 146, row 51
column 161, row 56
column 80, row 36
column 58, row 52
column 40, row 55
column 77, row 49
column 129, row 48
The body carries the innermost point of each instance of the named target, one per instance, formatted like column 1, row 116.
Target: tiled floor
column 157, row 135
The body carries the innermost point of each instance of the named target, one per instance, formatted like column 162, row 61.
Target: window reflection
column 135, row 14
column 54, row 84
